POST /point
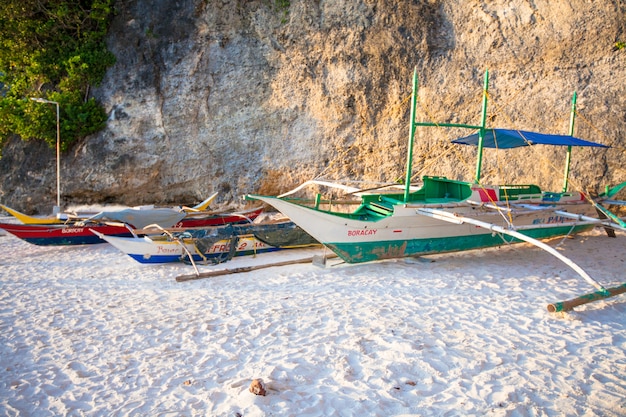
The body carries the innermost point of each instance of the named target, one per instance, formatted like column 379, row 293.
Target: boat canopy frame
column 494, row 138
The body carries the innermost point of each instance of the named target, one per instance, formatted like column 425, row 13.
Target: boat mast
column 414, row 124
column 409, row 156
column 568, row 158
column 481, row 132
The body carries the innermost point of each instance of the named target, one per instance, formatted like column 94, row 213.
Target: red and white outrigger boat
column 123, row 223
column 444, row 215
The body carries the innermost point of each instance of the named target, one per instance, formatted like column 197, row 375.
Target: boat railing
column 515, row 191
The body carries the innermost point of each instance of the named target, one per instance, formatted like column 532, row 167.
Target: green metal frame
column 481, row 134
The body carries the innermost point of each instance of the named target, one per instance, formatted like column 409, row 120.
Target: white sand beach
column 87, row 331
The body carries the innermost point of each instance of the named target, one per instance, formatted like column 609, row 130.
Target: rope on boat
column 178, row 241
column 200, row 254
column 571, row 230
column 203, row 242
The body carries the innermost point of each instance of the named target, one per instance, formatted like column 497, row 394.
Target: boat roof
column 507, row 138
column 142, row 217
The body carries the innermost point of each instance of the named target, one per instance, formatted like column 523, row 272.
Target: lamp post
column 56, row 209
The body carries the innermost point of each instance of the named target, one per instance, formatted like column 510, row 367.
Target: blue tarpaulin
column 506, row 139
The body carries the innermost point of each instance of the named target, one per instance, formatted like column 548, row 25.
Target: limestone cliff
column 246, row 96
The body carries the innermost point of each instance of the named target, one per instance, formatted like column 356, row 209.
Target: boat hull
column 192, row 219
column 219, row 219
column 145, row 250
column 407, row 233
column 61, row 235
column 371, row 251
column 81, row 234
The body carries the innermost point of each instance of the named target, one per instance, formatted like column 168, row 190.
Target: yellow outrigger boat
column 62, row 218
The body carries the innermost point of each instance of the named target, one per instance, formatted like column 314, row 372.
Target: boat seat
column 380, row 208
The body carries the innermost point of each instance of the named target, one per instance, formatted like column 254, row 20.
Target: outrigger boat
column 122, row 223
column 184, row 219
column 62, row 235
column 211, row 245
column 78, row 232
column 65, row 217
column 166, row 249
column 445, row 215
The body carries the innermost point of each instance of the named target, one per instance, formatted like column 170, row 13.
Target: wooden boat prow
column 26, row 219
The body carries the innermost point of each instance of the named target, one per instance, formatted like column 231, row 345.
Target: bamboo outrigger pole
column 409, row 155
column 568, row 158
column 587, row 298
column 481, row 131
column 210, row 274
column 455, row 218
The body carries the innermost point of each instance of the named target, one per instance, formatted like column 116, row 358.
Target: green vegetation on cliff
column 55, row 50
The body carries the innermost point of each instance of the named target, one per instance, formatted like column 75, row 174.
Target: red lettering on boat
column 362, row 232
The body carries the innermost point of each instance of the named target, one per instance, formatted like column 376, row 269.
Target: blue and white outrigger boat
column 445, row 215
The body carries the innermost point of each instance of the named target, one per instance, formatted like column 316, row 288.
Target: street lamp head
column 42, row 100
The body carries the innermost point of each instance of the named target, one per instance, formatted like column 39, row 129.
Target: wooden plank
column 210, row 274
column 609, row 232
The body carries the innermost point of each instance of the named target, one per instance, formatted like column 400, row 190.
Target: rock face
column 249, row 96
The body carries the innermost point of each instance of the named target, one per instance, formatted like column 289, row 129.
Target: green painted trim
column 358, row 252
column 409, row 155
column 611, row 192
column 481, row 132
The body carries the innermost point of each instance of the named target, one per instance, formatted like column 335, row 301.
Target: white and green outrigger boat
column 444, row 215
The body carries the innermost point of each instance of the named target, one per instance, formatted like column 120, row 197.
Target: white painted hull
column 147, row 250
column 407, row 233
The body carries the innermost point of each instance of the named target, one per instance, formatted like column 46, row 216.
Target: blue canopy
column 506, row 139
